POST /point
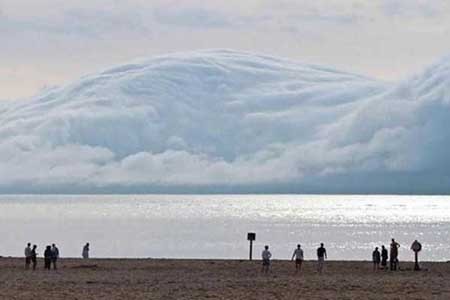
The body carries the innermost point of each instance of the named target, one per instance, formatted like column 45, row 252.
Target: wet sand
column 218, row 279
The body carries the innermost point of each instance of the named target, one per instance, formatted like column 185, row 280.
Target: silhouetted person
column 376, row 259
column 85, row 252
column 27, row 253
column 416, row 247
column 384, row 257
column 55, row 255
column 321, row 256
column 34, row 256
column 298, row 255
column 47, row 257
column 266, row 256
column 394, row 255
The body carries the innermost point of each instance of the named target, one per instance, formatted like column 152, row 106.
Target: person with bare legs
column 298, row 255
column 266, row 256
column 321, row 256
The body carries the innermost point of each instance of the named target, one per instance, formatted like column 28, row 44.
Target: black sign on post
column 251, row 236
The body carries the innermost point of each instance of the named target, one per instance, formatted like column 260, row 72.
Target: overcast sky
column 50, row 42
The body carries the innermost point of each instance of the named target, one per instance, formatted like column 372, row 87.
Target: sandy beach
column 218, row 279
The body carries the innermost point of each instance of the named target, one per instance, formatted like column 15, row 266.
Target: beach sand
column 218, row 279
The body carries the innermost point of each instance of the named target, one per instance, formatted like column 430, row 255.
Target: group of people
column 298, row 255
column 380, row 259
column 51, row 255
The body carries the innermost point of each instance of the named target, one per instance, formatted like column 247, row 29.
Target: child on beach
column 266, row 255
column 298, row 255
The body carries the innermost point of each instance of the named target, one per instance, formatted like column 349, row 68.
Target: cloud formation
column 227, row 121
column 48, row 42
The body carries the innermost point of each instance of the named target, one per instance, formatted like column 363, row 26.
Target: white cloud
column 229, row 121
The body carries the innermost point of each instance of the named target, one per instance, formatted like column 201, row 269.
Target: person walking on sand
column 321, row 256
column 47, row 257
column 34, row 256
column 384, row 257
column 376, row 259
column 27, row 256
column 85, row 252
column 55, row 255
column 416, row 247
column 298, row 255
column 266, row 256
column 393, row 262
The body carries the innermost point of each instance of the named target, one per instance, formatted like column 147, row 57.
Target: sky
column 47, row 43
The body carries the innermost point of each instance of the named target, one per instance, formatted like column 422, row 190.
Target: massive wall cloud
column 225, row 121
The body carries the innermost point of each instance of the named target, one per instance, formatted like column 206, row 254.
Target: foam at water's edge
column 222, row 120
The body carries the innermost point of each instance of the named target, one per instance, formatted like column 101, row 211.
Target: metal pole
column 251, row 250
column 416, row 265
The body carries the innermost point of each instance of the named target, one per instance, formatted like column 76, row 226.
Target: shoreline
column 112, row 278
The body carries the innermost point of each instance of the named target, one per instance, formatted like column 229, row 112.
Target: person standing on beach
column 321, row 256
column 384, row 257
column 298, row 255
column 47, row 257
column 394, row 255
column 376, row 258
column 27, row 256
column 55, row 255
column 85, row 252
column 34, row 256
column 266, row 256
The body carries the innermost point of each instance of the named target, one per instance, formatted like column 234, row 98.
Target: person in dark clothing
column 321, row 255
column 394, row 255
column 47, row 257
column 34, row 256
column 384, row 257
column 376, row 258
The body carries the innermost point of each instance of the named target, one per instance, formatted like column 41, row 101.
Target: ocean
column 216, row 226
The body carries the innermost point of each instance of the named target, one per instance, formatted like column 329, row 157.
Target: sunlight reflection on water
column 214, row 226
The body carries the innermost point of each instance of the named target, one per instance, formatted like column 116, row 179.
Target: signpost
column 416, row 247
column 251, row 236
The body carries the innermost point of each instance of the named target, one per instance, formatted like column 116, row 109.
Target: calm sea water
column 215, row 226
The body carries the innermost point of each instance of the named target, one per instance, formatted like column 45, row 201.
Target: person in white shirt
column 28, row 256
column 266, row 255
column 298, row 255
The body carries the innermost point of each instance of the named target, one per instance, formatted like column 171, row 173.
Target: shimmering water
column 215, row 226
